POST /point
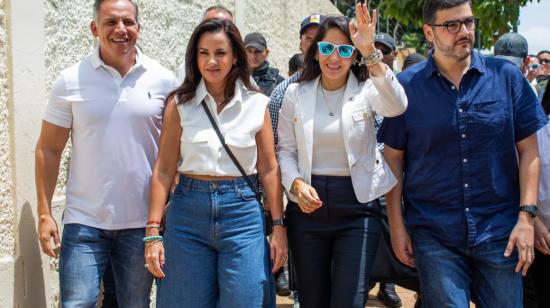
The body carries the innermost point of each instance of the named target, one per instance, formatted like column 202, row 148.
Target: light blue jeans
column 216, row 251
column 85, row 253
column 450, row 276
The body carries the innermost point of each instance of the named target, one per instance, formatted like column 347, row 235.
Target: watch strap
column 531, row 209
column 279, row 222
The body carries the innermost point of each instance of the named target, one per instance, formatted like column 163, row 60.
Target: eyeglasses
column 544, row 61
column 454, row 26
column 534, row 66
column 345, row 51
column 385, row 51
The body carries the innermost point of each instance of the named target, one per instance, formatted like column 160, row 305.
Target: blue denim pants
column 334, row 247
column 450, row 277
column 85, row 253
column 215, row 248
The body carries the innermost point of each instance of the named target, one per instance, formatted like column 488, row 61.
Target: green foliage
column 496, row 18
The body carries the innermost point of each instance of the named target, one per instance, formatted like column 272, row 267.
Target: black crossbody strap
column 228, row 150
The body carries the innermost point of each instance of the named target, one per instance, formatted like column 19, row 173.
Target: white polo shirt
column 115, row 127
column 200, row 148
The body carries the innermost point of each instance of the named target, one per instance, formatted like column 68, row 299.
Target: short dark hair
column 431, row 7
column 219, row 8
column 295, row 63
column 312, row 69
column 542, row 52
column 98, row 3
column 193, row 76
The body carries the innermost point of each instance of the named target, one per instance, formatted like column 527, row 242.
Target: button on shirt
column 115, row 127
column 461, row 182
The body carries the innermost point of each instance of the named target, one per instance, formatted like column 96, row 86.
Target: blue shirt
column 461, row 176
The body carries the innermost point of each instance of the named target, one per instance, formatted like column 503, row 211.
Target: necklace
column 330, row 112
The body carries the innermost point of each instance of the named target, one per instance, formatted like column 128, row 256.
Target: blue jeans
column 109, row 289
column 215, row 248
column 334, row 247
column 85, row 253
column 448, row 274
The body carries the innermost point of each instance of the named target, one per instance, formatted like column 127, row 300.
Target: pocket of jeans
column 179, row 191
column 247, row 194
column 81, row 233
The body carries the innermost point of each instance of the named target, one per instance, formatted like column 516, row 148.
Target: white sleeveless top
column 200, row 148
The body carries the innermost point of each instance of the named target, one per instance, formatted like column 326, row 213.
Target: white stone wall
column 7, row 218
column 281, row 27
column 7, row 210
column 35, row 45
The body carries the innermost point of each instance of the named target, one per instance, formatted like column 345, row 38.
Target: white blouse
column 200, row 148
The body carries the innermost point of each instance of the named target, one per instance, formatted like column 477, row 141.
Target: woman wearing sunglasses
column 329, row 162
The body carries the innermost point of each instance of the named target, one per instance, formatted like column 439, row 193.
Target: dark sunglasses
column 345, row 51
column 454, row 26
column 385, row 51
column 544, row 61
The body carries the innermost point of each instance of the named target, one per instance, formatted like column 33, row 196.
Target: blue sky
column 535, row 25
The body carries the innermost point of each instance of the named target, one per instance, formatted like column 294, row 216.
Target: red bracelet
column 153, row 222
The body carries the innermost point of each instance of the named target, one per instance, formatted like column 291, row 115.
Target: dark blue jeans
column 334, row 247
column 85, row 253
column 215, row 247
column 109, row 288
column 449, row 274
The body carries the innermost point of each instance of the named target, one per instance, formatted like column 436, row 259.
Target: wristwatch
column 279, row 222
column 530, row 209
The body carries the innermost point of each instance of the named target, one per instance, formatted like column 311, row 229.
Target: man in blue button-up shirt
column 465, row 154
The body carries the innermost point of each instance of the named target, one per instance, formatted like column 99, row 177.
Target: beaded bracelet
column 153, row 238
column 147, row 244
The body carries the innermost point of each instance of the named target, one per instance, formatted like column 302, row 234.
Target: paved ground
column 407, row 297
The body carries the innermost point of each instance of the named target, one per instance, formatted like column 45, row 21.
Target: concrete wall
column 7, row 210
column 35, row 45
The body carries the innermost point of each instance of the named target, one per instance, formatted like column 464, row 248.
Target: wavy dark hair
column 312, row 69
column 186, row 91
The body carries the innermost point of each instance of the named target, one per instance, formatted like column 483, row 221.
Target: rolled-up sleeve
column 287, row 148
column 389, row 99
column 59, row 110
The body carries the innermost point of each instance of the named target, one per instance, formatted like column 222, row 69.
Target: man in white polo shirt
column 111, row 104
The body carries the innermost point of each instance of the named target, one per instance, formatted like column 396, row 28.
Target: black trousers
column 334, row 247
column 541, row 278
